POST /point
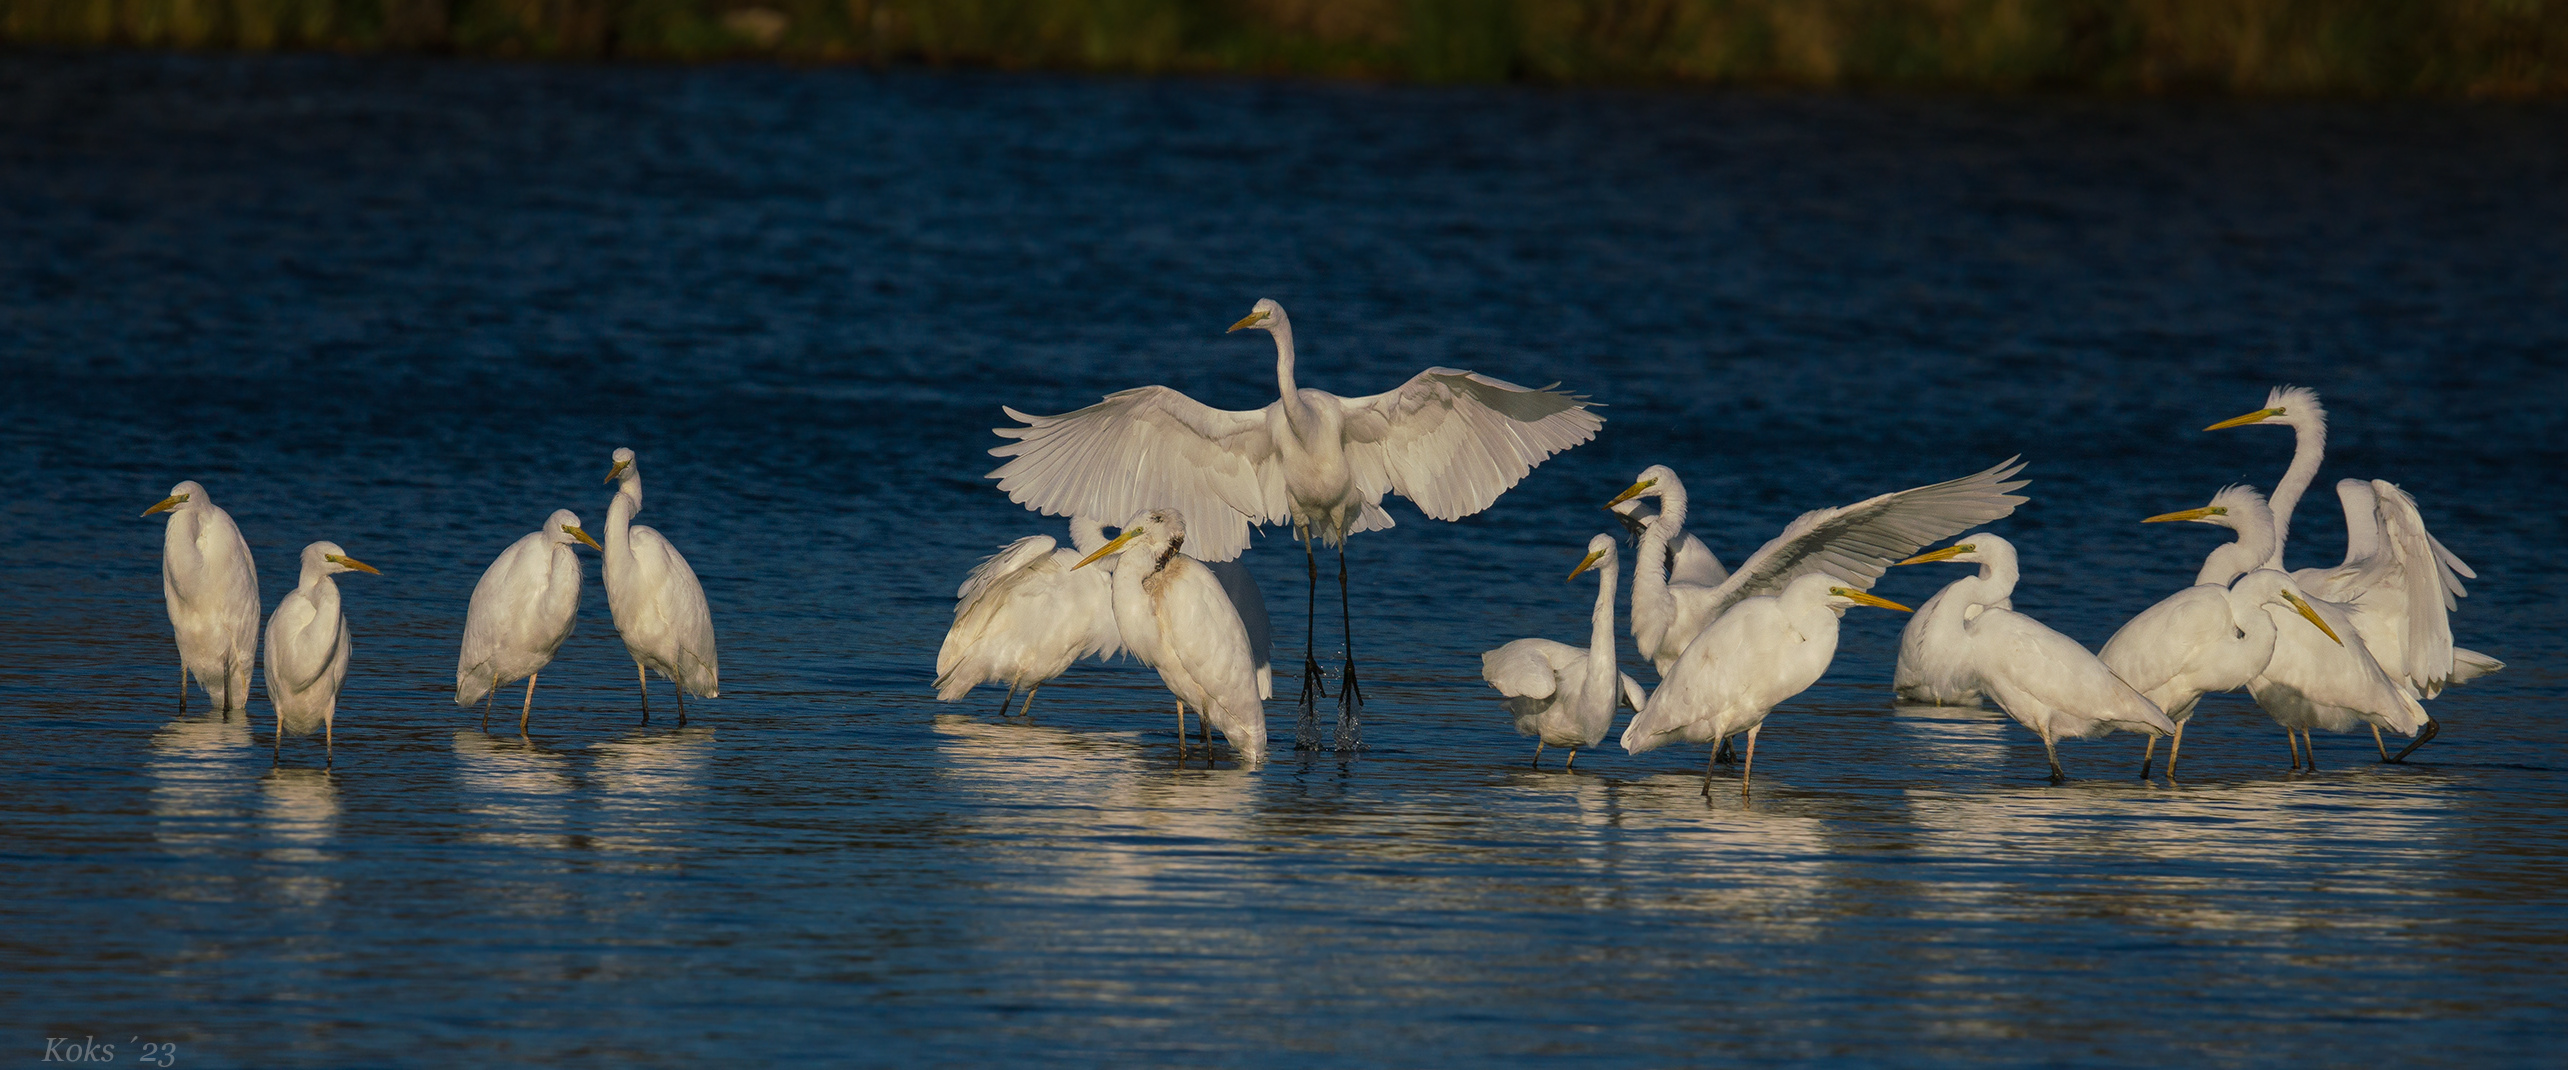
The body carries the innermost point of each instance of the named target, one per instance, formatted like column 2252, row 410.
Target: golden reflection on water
column 648, row 785
column 515, row 792
column 298, row 820
column 201, row 770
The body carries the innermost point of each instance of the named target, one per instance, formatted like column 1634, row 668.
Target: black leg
column 1008, row 700
column 1306, row 731
column 682, row 703
column 182, row 668
column 1350, row 729
column 2433, row 728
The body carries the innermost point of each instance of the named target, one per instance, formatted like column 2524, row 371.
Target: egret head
column 1157, row 532
column 564, row 527
column 1978, row 547
column 1832, row 593
column 1657, row 480
column 2229, row 508
column 185, row 493
column 329, row 559
column 2290, row 406
column 1600, row 554
column 2269, row 587
column 1266, row 316
column 623, row 464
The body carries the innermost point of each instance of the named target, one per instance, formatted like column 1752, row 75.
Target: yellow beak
column 1631, row 492
column 1869, row 600
column 1246, row 321
column 573, row 530
column 1590, row 561
column 1946, row 554
column 2188, row 514
column 1108, row 548
column 618, row 470
column 354, row 564
column 2258, row 416
column 166, row 504
column 2312, row 615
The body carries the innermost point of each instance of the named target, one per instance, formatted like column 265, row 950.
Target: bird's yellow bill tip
column 2186, row 514
column 618, row 470
column 1246, row 321
column 1587, row 562
column 2312, row 614
column 1109, row 547
column 354, row 563
column 1631, row 492
column 2258, row 416
column 1863, row 598
column 576, row 532
column 1946, row 554
column 166, row 504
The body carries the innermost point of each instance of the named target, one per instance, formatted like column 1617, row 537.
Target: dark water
column 411, row 307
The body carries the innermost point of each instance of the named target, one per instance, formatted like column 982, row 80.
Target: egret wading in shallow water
column 2399, row 582
column 1449, row 441
column 212, row 588
column 659, row 607
column 1563, row 695
column 1175, row 617
column 1761, row 651
column 1025, row 613
column 2216, row 635
column 307, row 649
column 522, row 610
column 2041, row 678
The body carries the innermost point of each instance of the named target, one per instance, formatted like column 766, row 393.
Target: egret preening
column 307, row 649
column 1025, row 613
column 1560, row 694
column 2041, row 678
column 1761, row 651
column 1689, row 561
column 659, row 607
column 212, row 588
column 1449, row 441
column 1174, row 616
column 1853, row 543
column 522, row 610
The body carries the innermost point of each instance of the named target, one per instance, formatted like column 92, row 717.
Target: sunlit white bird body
column 2315, row 682
column 2046, row 681
column 212, row 587
column 1025, row 613
column 658, row 605
column 522, row 610
column 1563, row 695
column 307, row 647
column 2214, row 635
column 1449, row 441
column 1762, row 650
column 1174, row 616
column 1933, row 667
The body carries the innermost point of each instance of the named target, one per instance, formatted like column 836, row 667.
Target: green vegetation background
column 2475, row 47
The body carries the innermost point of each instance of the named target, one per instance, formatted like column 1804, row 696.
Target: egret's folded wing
column 680, row 598
column 1692, row 563
column 1524, row 668
column 1855, row 543
column 2429, row 587
column 1452, row 441
column 2168, row 638
column 1149, row 448
column 2403, row 526
column 999, row 566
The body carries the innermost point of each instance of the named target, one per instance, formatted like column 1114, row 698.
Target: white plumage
column 307, row 647
column 2041, row 678
column 1024, row 614
column 659, row 607
column 1174, row 617
column 1853, row 543
column 1560, row 694
column 1689, row 561
column 523, row 608
column 1763, row 650
column 212, row 587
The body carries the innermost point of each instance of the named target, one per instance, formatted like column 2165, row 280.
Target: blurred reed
column 2477, row 47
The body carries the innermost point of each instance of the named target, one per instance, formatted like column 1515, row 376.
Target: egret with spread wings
column 1449, row 441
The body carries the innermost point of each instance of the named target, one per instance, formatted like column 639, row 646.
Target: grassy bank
column 2488, row 47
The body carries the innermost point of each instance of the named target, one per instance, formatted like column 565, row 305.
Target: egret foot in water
column 1306, row 730
column 2432, row 729
column 1350, row 732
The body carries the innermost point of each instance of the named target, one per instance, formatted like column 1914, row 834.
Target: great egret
column 1174, row 617
column 1024, row 614
column 2216, row 635
column 1854, row 543
column 522, row 610
column 1449, row 441
column 2393, row 566
column 212, row 588
column 659, row 607
column 307, row 649
column 1689, row 561
column 2315, row 682
column 1560, row 694
column 1761, row 651
column 2041, row 678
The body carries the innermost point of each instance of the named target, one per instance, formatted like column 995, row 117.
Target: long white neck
column 2309, row 447
column 619, row 524
column 1600, row 633
column 1285, row 387
column 1653, row 608
column 2254, row 548
column 1996, row 580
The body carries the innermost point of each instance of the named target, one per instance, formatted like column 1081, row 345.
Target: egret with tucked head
column 307, row 649
column 523, row 608
column 212, row 588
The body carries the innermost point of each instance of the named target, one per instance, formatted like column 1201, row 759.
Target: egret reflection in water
column 512, row 790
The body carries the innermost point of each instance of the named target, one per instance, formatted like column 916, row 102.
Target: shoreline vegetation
column 2499, row 48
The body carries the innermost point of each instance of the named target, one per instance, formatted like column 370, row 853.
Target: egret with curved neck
column 212, row 588
column 1563, row 695
column 658, row 605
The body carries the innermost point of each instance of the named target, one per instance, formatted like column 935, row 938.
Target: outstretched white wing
column 2426, row 581
column 1148, row 448
column 1452, row 441
column 1527, row 668
column 1855, row 543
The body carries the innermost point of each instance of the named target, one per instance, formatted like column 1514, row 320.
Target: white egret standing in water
column 212, row 587
column 1449, row 441
column 307, row 649
column 1760, row 652
column 2044, row 680
column 1560, row 694
column 659, row 607
column 2216, row 635
column 523, row 608
column 1175, row 617
column 1024, row 614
